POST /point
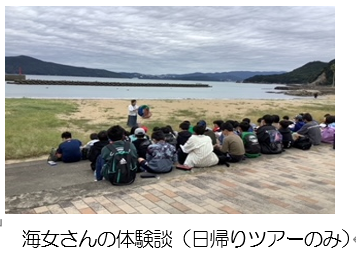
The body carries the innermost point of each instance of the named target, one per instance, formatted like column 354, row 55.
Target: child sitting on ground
column 86, row 148
column 252, row 147
column 286, row 133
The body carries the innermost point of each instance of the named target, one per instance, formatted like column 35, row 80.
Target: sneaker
column 183, row 167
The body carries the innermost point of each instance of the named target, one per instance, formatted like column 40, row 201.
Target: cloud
column 159, row 40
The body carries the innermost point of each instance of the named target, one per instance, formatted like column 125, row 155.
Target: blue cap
column 201, row 123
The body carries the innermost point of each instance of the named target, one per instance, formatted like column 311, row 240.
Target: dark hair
column 156, row 129
column 307, row 117
column 186, row 121
column 103, row 135
column 326, row 115
column 158, row 135
column 132, row 101
column 330, row 119
column 227, row 126
column 66, row 135
column 184, row 126
column 246, row 120
column 284, row 123
column 165, row 130
column 259, row 120
column 116, row 133
column 275, row 118
column 170, row 128
column 268, row 119
column 132, row 131
column 199, row 130
column 93, row 136
column 234, row 124
column 244, row 126
column 218, row 122
column 286, row 117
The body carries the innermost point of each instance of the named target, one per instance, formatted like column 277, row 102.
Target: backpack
column 145, row 144
column 85, row 153
column 287, row 139
column 275, row 145
column 251, row 144
column 120, row 169
column 52, row 155
column 171, row 139
column 327, row 135
column 303, row 143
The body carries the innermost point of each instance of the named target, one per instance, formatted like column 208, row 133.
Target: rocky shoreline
column 304, row 90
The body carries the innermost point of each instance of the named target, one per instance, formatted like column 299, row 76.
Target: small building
column 14, row 77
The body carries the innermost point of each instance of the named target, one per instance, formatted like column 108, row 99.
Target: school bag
column 303, row 143
column 145, row 144
column 121, row 168
column 52, row 155
column 327, row 135
column 85, row 153
column 275, row 145
column 251, row 143
column 287, row 139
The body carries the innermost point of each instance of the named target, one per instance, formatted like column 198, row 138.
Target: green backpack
column 121, row 169
column 252, row 147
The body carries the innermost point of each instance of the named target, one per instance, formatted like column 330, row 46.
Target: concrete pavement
column 294, row 182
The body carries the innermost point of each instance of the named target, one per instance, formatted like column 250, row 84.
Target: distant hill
column 32, row 66
column 309, row 73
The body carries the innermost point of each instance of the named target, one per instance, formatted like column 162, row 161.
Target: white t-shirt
column 133, row 110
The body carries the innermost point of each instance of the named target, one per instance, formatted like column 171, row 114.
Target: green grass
column 32, row 126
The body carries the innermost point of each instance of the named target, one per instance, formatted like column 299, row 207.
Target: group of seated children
column 198, row 145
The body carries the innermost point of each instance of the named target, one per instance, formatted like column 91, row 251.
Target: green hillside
column 306, row 74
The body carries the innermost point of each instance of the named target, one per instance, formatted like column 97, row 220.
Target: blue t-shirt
column 70, row 150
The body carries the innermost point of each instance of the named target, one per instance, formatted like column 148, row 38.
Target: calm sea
column 219, row 90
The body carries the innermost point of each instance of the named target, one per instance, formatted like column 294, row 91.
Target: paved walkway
column 295, row 182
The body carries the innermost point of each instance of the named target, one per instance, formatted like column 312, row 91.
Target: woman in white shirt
column 132, row 118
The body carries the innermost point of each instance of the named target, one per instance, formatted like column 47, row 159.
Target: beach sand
column 110, row 111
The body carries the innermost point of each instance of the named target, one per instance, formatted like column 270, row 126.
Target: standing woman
column 132, row 118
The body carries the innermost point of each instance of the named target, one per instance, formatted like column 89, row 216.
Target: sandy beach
column 105, row 111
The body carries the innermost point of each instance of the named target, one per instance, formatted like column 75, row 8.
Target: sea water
column 218, row 90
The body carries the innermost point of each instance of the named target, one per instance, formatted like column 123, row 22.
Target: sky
column 173, row 39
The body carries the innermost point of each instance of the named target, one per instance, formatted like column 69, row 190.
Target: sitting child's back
column 252, row 147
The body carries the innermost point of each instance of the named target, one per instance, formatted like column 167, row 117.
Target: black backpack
column 303, row 143
column 121, row 169
column 145, row 144
column 251, row 144
column 275, row 145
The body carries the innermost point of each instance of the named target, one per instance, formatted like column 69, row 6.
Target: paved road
column 295, row 182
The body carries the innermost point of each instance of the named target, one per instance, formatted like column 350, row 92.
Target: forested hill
column 32, row 66
column 317, row 72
